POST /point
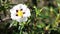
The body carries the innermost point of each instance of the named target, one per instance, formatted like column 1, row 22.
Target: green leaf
column 41, row 25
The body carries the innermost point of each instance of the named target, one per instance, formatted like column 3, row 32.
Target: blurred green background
column 44, row 19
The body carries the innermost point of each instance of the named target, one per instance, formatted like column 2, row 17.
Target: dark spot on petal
column 16, row 14
column 23, row 12
column 16, row 10
column 21, row 9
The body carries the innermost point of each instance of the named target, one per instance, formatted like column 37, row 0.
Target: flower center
column 20, row 13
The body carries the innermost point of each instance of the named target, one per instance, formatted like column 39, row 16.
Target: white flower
column 20, row 13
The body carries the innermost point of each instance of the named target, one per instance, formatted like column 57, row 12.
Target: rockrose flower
column 20, row 13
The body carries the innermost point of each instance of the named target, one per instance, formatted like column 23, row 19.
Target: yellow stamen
column 20, row 13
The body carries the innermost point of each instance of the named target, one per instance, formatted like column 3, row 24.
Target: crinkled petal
column 27, row 13
column 25, row 19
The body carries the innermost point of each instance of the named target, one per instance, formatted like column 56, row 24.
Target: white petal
column 14, row 17
column 27, row 13
column 25, row 19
